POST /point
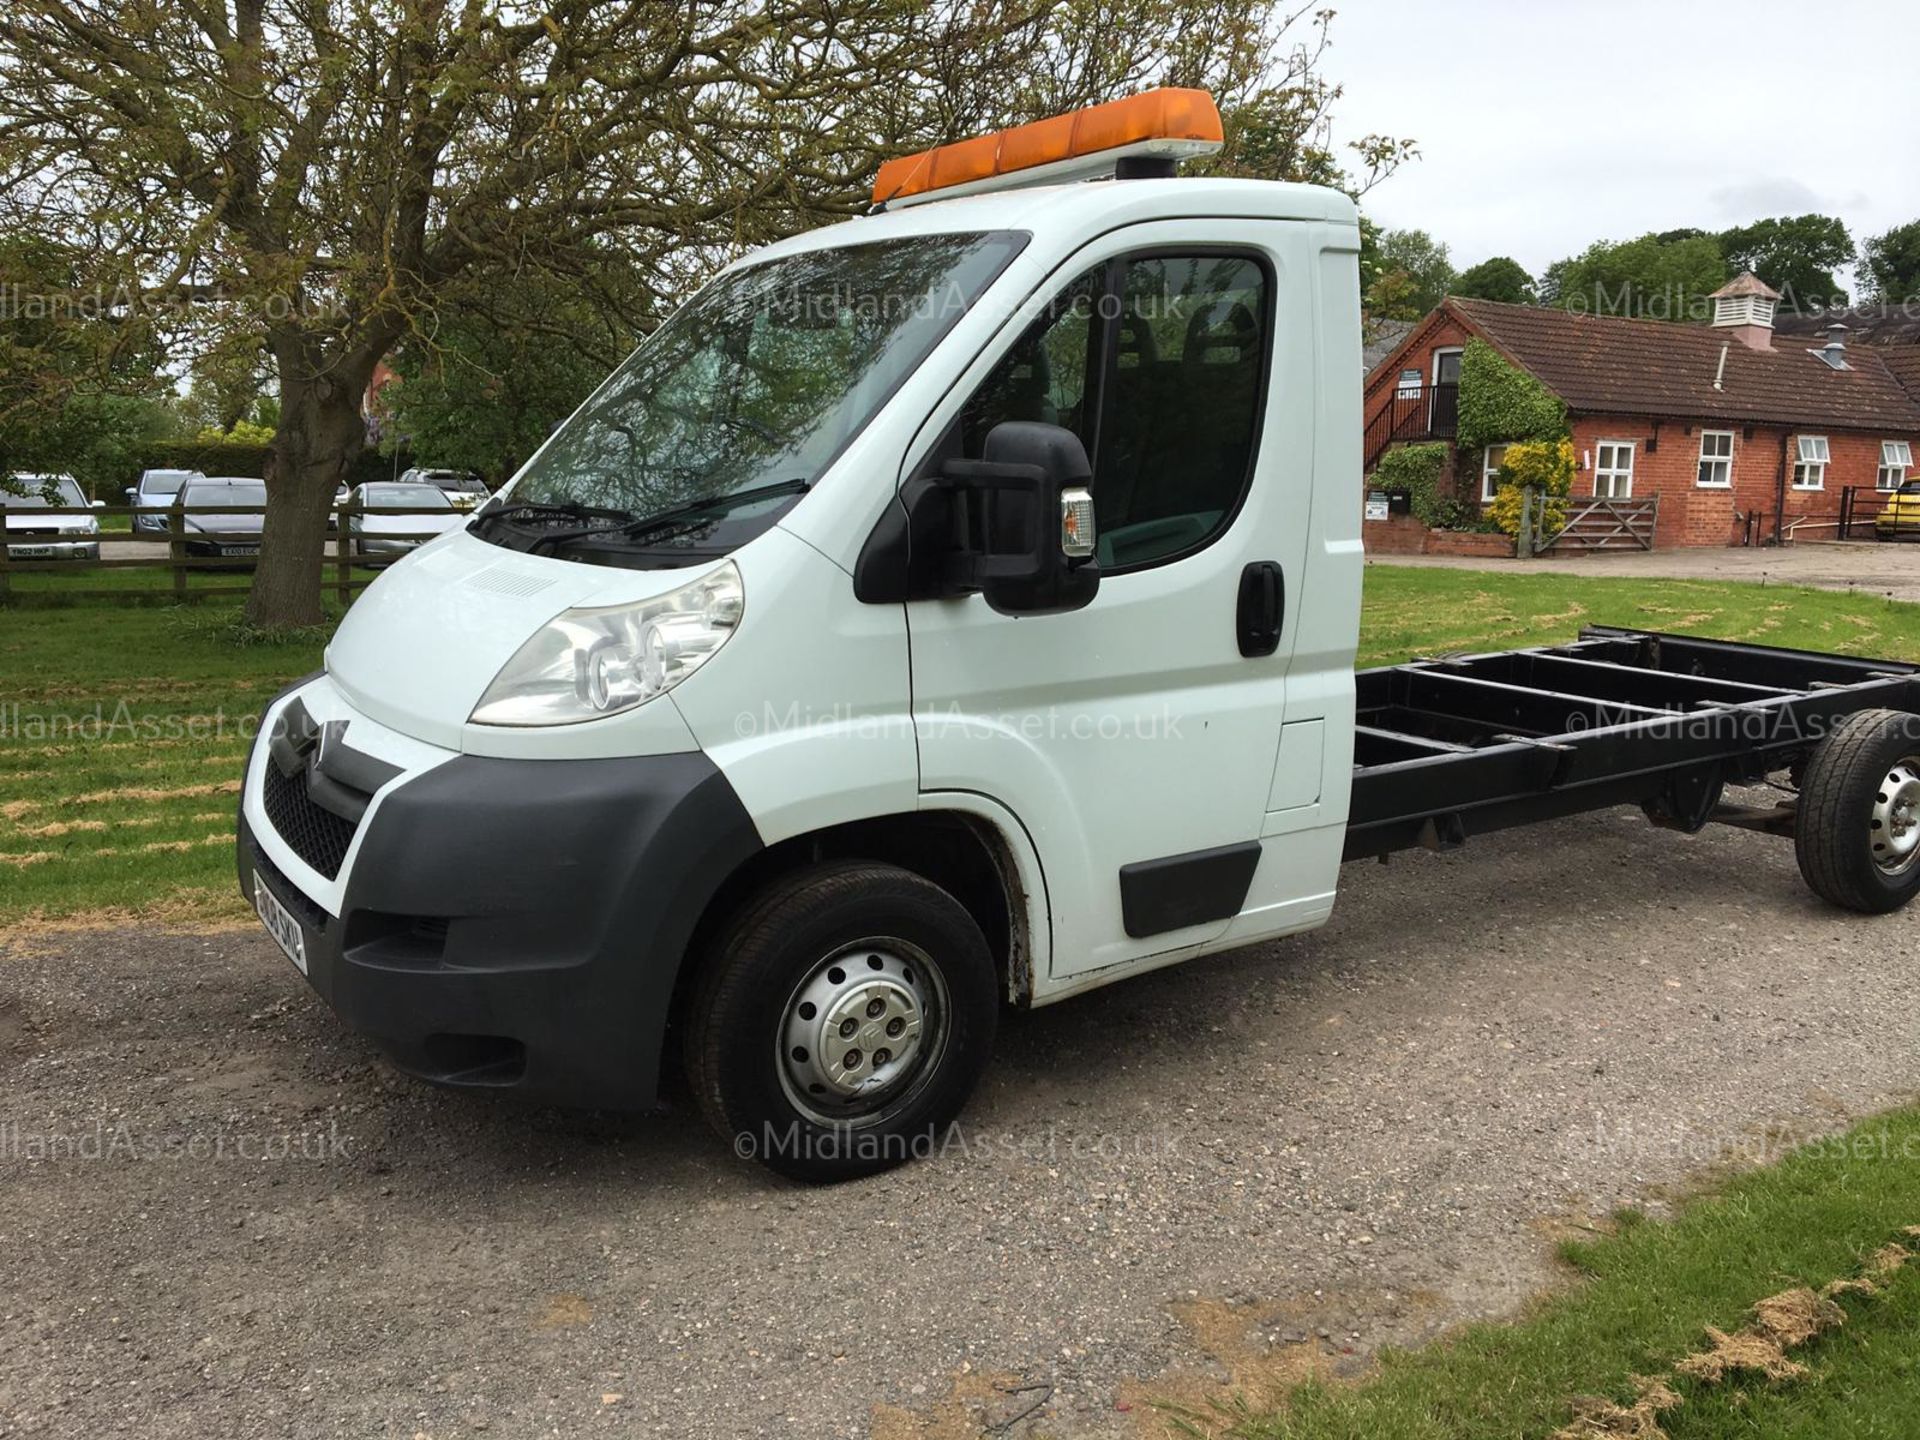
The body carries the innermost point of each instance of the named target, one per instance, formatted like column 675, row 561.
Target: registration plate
column 30, row 552
column 239, row 549
column 280, row 924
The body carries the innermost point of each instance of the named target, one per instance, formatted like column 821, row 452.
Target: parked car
column 372, row 533
column 465, row 489
column 157, row 488
column 212, row 531
column 49, row 537
column 1902, row 513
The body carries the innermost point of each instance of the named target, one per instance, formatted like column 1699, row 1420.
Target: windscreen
column 40, row 490
column 164, row 482
column 411, row 496
column 765, row 375
column 203, row 493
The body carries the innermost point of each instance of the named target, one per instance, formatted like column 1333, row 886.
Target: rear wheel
column 1857, row 835
column 842, row 1021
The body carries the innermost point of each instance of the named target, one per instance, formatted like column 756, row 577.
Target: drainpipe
column 1780, row 490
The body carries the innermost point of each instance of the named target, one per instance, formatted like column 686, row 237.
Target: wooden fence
column 177, row 549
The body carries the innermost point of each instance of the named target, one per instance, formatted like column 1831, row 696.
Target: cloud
column 1752, row 199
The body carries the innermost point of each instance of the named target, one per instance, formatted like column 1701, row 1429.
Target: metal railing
column 1432, row 413
column 185, row 551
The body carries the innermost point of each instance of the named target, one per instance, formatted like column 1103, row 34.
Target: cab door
column 1136, row 738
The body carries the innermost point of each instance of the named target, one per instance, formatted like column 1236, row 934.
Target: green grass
column 122, row 730
column 1417, row 611
column 112, row 814
column 1647, row 1296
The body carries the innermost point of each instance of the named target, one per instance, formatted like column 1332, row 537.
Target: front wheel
column 1857, row 835
column 842, row 1020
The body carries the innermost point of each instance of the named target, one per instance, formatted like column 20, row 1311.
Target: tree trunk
column 320, row 435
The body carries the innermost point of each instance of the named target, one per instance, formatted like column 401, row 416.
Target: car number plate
column 30, row 552
column 239, row 549
column 280, row 924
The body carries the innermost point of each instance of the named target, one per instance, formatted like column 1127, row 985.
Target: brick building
column 1741, row 434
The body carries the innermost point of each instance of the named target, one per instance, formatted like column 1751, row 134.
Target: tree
column 80, row 391
column 1796, row 255
column 1501, row 278
column 1892, row 264
column 1414, row 274
column 1650, row 278
column 502, row 367
column 318, row 175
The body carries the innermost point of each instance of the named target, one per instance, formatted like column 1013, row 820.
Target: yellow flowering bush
column 1543, row 466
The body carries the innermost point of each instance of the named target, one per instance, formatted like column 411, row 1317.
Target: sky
column 1545, row 126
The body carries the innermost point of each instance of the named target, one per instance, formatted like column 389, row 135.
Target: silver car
column 212, row 531
column 465, row 489
column 48, row 537
column 372, row 533
column 157, row 489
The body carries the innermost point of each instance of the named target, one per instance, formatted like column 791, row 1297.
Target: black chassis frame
column 1468, row 744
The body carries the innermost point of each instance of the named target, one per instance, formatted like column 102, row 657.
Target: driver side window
column 1158, row 364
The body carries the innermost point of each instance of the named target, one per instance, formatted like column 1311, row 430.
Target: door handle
column 1263, row 608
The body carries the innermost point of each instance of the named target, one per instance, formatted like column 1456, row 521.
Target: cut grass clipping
column 1786, row 1304
column 122, row 728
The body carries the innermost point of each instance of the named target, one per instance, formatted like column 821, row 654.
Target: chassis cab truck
column 951, row 608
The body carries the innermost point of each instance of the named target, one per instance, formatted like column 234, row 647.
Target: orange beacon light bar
column 1164, row 125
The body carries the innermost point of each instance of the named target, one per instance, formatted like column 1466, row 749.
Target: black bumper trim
column 568, row 891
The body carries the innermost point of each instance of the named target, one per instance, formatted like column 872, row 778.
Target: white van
column 948, row 608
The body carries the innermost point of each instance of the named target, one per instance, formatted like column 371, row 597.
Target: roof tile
column 1609, row 365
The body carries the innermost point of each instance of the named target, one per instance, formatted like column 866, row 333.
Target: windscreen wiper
column 678, row 515
column 541, row 510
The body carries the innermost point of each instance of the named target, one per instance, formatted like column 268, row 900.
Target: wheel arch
column 962, row 846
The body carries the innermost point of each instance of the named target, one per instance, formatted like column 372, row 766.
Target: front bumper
column 87, row 549
column 513, row 924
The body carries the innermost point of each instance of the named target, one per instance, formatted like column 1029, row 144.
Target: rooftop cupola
column 1745, row 306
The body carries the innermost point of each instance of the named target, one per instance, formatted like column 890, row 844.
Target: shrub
column 1545, row 468
column 1499, row 403
column 1417, row 470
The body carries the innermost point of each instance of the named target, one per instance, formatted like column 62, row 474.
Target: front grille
column 317, row 836
column 33, row 532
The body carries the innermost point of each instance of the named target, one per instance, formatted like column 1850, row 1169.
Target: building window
column 1613, row 470
column 1810, row 468
column 1490, row 472
column 1896, row 458
column 1716, row 459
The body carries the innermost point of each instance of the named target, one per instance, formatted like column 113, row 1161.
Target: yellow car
column 1901, row 515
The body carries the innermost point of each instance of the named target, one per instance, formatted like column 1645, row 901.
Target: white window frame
column 1896, row 459
column 1722, row 464
column 1442, row 353
column 1812, row 455
column 1614, row 472
column 1490, row 472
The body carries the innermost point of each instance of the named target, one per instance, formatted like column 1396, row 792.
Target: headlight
column 77, row 527
column 588, row 663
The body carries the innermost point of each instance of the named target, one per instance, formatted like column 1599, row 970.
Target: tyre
column 1857, row 836
column 841, row 1021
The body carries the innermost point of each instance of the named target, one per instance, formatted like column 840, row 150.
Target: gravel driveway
column 1232, row 1171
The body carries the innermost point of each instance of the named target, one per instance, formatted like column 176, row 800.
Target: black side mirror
column 1021, row 523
